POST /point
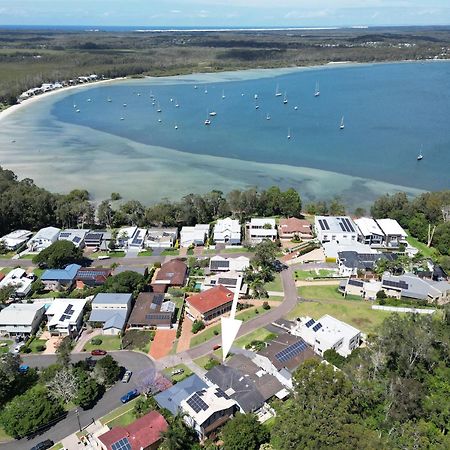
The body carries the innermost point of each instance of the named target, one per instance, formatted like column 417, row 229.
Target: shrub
column 40, row 348
column 96, row 341
column 382, row 301
column 197, row 326
column 157, row 265
column 216, row 333
column 381, row 294
column 212, row 362
column 26, row 350
column 266, row 305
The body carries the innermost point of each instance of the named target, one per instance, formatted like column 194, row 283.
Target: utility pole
column 78, row 418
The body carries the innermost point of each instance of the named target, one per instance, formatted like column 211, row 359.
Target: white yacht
column 317, row 91
column 342, row 126
column 277, row 91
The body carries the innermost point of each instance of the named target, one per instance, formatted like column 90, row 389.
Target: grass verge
column 108, row 343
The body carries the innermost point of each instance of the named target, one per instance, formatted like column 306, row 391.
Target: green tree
column 197, row 326
column 291, row 203
column 58, row 255
column 63, row 351
column 265, row 254
column 88, row 390
column 333, row 357
column 107, row 370
column 244, row 432
column 6, row 292
column 29, row 412
column 105, row 214
column 337, row 208
column 124, row 282
column 178, row 436
column 144, row 405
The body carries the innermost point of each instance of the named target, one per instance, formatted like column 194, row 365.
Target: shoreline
column 329, row 65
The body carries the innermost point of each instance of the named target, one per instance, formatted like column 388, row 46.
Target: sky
column 205, row 13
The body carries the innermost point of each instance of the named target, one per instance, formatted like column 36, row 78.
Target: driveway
column 133, row 361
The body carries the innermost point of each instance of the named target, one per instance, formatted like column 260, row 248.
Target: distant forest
column 29, row 58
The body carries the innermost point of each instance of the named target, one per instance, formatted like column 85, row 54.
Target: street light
column 78, row 418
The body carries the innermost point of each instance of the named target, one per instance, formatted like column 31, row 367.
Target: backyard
column 138, row 340
column 427, row 252
column 180, row 376
column 261, row 334
column 275, row 285
column 108, row 343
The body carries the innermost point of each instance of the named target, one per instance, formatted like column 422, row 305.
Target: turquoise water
column 391, row 111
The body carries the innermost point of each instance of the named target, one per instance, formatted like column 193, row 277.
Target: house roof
column 355, row 260
column 294, row 225
column 391, row 227
column 210, row 299
column 140, row 434
column 368, row 226
column 261, row 221
column 75, row 236
column 97, row 274
column 412, row 286
column 335, row 224
column 111, row 318
column 149, row 310
column 65, row 311
column 66, row 274
column 173, row 271
column 49, row 233
column 111, row 298
column 19, row 313
column 172, row 397
column 138, row 269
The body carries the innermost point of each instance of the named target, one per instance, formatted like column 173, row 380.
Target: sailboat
column 109, row 100
column 207, row 121
column 277, row 91
column 223, row 94
column 176, row 127
column 267, row 116
column 285, row 99
column 206, row 89
column 177, row 105
column 289, row 133
column 420, row 155
column 317, row 91
column 255, row 96
column 342, row 126
column 159, row 109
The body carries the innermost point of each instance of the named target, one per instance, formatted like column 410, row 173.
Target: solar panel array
column 158, row 316
column 196, row 403
column 219, row 265
column 122, row 444
column 67, row 314
column 324, row 224
column 227, row 281
column 220, row 393
column 317, row 327
column 76, row 239
column 291, row 351
column 90, row 273
column 356, row 283
column 64, row 234
column 396, row 284
column 310, row 322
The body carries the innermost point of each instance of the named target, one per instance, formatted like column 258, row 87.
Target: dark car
column 129, row 396
column 98, row 352
column 44, row 445
column 216, row 347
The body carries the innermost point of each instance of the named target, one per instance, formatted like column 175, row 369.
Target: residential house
column 21, row 319
column 351, row 262
column 332, row 248
column 173, row 273
column 91, row 277
column 20, row 280
column 230, row 280
column 260, row 229
column 209, row 305
column 282, row 356
column 60, row 279
column 43, row 239
column 171, row 398
column 97, row 239
column 151, row 311
column 369, row 232
column 293, row 227
column 412, row 287
column 76, row 236
column 394, row 234
column 144, row 433
column 433, row 272
column 222, row 264
column 131, row 237
column 15, row 239
column 207, row 410
column 327, row 333
column 335, row 228
column 227, row 231
column 65, row 316
column 161, row 237
column 365, row 289
column 196, row 235
column 111, row 311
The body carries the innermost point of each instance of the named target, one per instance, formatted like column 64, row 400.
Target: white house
column 221, row 264
column 333, row 228
column 21, row 319
column 161, row 237
column 15, row 239
column 230, row 280
column 75, row 236
column 327, row 333
column 394, row 234
column 196, row 235
column 260, row 229
column 370, row 233
column 227, row 231
column 20, row 280
column 43, row 239
column 365, row 289
column 65, row 316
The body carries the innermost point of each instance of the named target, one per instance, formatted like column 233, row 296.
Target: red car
column 216, row 347
column 98, row 352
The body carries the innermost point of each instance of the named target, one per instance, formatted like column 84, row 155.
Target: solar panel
column 158, row 299
column 310, row 322
column 397, row 284
column 64, row 235
column 220, row 393
column 76, row 239
column 321, row 224
column 291, row 351
column 349, row 225
column 317, row 327
column 68, row 309
column 122, row 444
column 196, row 403
column 342, row 226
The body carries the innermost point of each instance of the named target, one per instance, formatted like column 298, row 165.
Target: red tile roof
column 210, row 299
column 141, row 434
column 294, row 225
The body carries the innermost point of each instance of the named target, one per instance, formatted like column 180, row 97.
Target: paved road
column 16, row 263
column 111, row 399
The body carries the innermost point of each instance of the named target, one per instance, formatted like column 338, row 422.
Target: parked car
column 18, row 347
column 129, row 396
column 98, row 352
column 216, row 347
column 44, row 445
column 177, row 371
column 126, row 376
column 103, row 257
column 23, row 368
column 4, row 344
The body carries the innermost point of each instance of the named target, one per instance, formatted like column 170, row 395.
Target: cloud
column 175, row 11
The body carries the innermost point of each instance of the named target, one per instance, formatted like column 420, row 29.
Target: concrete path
column 186, row 334
column 85, row 338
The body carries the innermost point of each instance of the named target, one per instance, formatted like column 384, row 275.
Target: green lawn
column 181, row 376
column 260, row 334
column 311, row 274
column 38, row 272
column 170, row 252
column 27, row 256
column 323, row 292
column 118, row 411
column 275, row 285
column 213, row 251
column 6, row 348
column 427, row 252
column 148, row 252
column 355, row 312
column 3, row 436
column 123, row 420
column 6, row 270
column 114, row 254
column 138, row 340
column 57, row 446
column 34, row 344
column 108, row 343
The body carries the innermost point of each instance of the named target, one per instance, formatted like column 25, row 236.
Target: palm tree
column 178, row 436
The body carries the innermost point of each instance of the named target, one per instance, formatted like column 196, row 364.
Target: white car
column 126, row 376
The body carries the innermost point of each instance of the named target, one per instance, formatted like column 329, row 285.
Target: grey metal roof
column 111, row 318
column 117, row 299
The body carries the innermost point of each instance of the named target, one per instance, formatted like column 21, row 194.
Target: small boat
column 77, row 111
column 89, row 100
column 195, row 87
column 207, row 122
column 277, row 91
column 124, row 105
column 74, row 105
column 206, row 89
column 223, row 94
column 159, row 109
column 295, row 108
column 242, row 94
column 176, row 127
column 13, row 141
column 213, row 113
column 257, row 107
column 267, row 116
column 285, row 99
column 317, row 91
column 122, row 118
column 255, row 96
column 420, row 156
column 342, row 126
column 171, row 100
column 177, row 105
column 159, row 120
column 139, row 94
column 109, row 100
column 289, row 133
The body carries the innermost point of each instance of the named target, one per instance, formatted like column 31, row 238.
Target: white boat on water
column 207, row 122
column 420, row 155
column 159, row 108
column 342, row 126
column 267, row 116
column 176, row 127
column 77, row 111
column 89, row 100
column 177, row 105
column 206, row 89
column 223, row 94
column 213, row 113
column 109, row 100
column 122, row 118
column 124, row 105
column 317, row 91
column 257, row 107
column 285, row 100
column 255, row 96
column 277, row 91
column 289, row 133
